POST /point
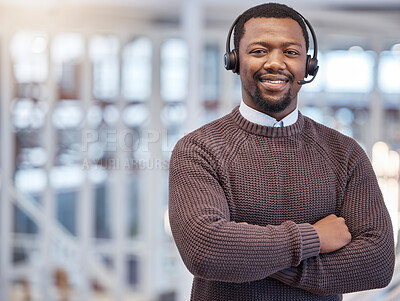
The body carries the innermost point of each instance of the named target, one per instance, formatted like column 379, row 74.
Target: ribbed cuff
column 310, row 247
column 310, row 244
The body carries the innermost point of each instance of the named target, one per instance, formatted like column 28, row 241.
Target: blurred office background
column 94, row 95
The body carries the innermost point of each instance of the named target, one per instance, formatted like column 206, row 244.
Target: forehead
column 272, row 29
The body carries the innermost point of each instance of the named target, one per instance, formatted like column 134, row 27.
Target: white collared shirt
column 260, row 118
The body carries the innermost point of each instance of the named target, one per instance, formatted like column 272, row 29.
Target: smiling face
column 272, row 56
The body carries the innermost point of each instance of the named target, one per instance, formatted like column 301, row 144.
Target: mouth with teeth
column 274, row 83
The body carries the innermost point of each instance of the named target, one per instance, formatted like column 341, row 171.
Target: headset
column 231, row 58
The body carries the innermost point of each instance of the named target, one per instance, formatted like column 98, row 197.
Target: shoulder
column 325, row 133
column 334, row 144
column 216, row 136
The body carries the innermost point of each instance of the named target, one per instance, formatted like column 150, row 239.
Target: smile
column 273, row 81
column 274, row 85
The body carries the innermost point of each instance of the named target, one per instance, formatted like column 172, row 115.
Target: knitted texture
column 279, row 181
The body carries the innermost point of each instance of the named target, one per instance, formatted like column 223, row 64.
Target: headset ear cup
column 313, row 67
column 308, row 61
column 230, row 61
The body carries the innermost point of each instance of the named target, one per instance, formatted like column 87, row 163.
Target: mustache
column 259, row 74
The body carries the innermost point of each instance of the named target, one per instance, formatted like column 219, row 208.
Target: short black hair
column 268, row 10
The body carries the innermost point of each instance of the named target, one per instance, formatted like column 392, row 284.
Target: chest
column 273, row 183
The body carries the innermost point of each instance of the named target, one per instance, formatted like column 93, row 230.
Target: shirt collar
column 260, row 118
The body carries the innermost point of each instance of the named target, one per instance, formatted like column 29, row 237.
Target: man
column 267, row 204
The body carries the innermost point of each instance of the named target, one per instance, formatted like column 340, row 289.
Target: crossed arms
column 319, row 257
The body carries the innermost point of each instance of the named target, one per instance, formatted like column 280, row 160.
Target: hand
column 333, row 233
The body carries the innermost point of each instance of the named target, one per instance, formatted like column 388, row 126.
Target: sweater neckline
column 267, row 131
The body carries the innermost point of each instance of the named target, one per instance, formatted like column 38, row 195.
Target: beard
column 267, row 104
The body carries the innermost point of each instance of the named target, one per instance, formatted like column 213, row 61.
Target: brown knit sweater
column 279, row 181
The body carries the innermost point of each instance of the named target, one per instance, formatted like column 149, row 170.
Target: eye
column 292, row 52
column 258, row 51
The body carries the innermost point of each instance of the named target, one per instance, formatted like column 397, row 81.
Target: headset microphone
column 302, row 82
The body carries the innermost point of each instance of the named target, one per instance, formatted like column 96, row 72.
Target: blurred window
column 137, row 70
column 30, row 181
column 211, row 69
column 67, row 51
column 29, row 54
column 28, row 114
column 133, row 206
column 211, row 82
column 173, row 117
column 133, row 271
column 104, row 54
column 66, row 209
column 174, row 70
column 23, row 223
column 350, row 71
column 388, row 72
column 102, row 215
column 135, row 115
column 67, row 115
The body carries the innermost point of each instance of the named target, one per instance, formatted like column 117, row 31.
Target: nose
column 275, row 61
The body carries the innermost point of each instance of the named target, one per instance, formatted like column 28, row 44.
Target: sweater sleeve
column 367, row 262
column 211, row 245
